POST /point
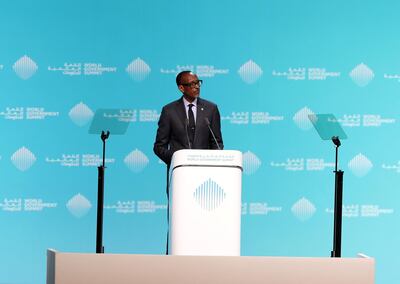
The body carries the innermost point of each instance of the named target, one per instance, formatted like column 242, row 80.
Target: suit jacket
column 172, row 133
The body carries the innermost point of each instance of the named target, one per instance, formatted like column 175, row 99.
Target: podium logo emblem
column 209, row 195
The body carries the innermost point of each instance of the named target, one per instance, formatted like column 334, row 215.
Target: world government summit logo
column 138, row 70
column 250, row 72
column 136, row 161
column 360, row 165
column 23, row 159
column 25, row 67
column 81, row 114
column 362, row 75
column 209, row 195
column 78, row 205
column 251, row 163
column 301, row 118
column 303, row 209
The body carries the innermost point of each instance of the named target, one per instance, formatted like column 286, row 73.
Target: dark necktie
column 192, row 125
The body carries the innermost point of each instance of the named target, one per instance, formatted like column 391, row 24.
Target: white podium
column 205, row 202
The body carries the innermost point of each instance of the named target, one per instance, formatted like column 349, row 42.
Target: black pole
column 337, row 210
column 336, row 159
column 337, row 221
column 100, row 202
column 100, row 196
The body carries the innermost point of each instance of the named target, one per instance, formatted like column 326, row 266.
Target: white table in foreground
column 81, row 268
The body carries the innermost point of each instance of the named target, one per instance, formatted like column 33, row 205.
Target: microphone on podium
column 212, row 133
column 187, row 134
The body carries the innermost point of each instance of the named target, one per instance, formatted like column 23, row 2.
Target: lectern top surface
column 231, row 158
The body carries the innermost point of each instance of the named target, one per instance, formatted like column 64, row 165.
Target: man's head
column 189, row 85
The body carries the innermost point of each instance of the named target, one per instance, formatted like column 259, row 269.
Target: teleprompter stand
column 329, row 128
column 106, row 122
column 337, row 211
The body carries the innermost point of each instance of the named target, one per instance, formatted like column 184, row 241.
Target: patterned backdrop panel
column 267, row 64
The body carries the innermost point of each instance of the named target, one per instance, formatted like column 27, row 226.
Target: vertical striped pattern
column 360, row 165
column 251, row 163
column 79, row 205
column 303, row 209
column 138, row 69
column 81, row 114
column 23, row 159
column 209, row 195
column 301, row 118
column 362, row 75
column 136, row 161
column 250, row 72
column 25, row 67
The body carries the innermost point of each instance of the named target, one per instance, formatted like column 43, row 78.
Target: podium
column 205, row 202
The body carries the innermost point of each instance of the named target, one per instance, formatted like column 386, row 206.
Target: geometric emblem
column 302, row 120
column 138, row 69
column 251, row 163
column 362, row 75
column 360, row 165
column 23, row 159
column 80, row 114
column 25, row 67
column 136, row 161
column 78, row 205
column 209, row 195
column 250, row 72
column 303, row 209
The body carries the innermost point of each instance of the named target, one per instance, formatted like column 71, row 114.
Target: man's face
column 190, row 86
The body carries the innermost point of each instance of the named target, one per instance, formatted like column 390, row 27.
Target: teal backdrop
column 268, row 64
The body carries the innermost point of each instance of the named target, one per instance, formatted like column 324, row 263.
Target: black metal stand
column 100, row 196
column 337, row 222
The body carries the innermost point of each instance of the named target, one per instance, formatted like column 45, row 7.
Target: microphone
column 186, row 132
column 212, row 133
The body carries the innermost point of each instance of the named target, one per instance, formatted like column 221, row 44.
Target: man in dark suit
column 183, row 124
